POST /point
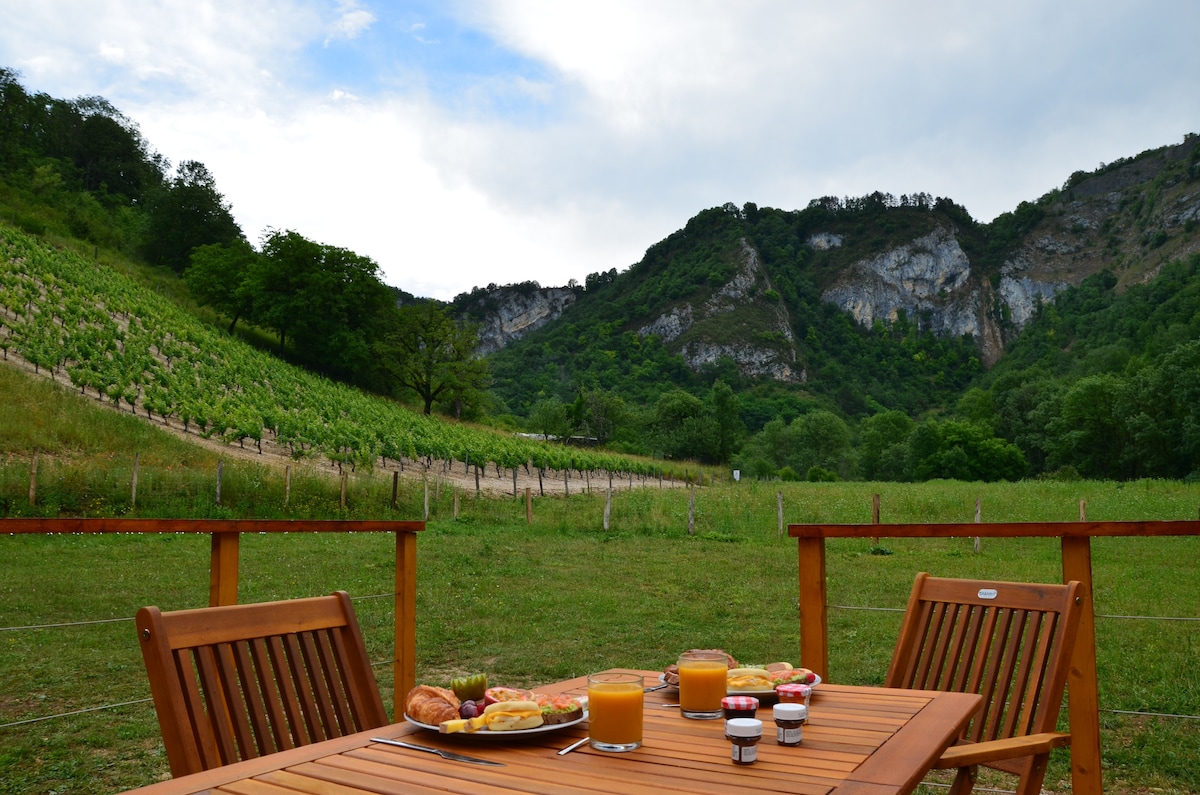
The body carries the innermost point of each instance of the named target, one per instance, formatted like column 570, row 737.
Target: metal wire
column 76, row 712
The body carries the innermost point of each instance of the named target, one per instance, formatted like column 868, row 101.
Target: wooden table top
column 858, row 741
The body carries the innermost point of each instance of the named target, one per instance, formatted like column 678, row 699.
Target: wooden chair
column 1009, row 642
column 242, row 681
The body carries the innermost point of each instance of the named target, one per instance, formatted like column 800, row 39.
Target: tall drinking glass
column 702, row 684
column 615, row 711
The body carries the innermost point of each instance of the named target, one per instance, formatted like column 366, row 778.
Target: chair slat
column 272, row 703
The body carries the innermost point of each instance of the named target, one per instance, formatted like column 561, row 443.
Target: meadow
column 561, row 597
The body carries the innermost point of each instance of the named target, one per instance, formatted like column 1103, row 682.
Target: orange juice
column 615, row 712
column 701, row 687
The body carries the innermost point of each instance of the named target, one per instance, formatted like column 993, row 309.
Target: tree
column 188, row 212
column 597, row 414
column 327, row 301
column 883, row 442
column 220, row 276
column 426, row 352
column 551, row 419
column 683, row 428
column 725, row 413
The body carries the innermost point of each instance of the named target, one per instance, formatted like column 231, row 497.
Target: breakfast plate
column 490, row 735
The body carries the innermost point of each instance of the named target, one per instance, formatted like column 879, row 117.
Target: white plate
column 663, row 678
column 490, row 735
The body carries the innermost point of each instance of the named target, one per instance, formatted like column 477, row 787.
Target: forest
column 1103, row 381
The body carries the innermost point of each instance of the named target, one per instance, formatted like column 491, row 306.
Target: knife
column 444, row 754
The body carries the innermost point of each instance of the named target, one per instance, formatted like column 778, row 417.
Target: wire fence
column 381, row 663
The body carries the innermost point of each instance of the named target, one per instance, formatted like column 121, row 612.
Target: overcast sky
column 465, row 143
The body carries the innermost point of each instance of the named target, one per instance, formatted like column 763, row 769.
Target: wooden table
column 859, row 740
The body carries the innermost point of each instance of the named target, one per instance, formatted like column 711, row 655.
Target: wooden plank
column 998, row 530
column 89, row 526
column 223, row 570
column 941, row 720
column 814, row 616
column 404, row 646
column 1083, row 689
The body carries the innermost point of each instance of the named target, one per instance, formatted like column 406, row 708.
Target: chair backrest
column 242, row 681
column 1009, row 642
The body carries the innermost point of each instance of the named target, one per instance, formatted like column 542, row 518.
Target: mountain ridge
column 878, row 258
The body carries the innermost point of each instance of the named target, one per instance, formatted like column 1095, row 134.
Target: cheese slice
column 462, row 725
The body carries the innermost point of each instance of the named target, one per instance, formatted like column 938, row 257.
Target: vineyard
column 122, row 343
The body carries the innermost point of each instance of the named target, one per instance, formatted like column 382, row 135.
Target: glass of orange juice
column 702, row 684
column 615, row 711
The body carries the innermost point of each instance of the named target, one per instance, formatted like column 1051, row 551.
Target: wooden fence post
column 528, row 506
column 875, row 516
column 223, row 569
column 33, row 480
column 395, row 488
column 1083, row 691
column 978, row 519
column 607, row 509
column 692, row 511
column 133, row 486
column 404, row 644
column 425, row 480
column 342, row 499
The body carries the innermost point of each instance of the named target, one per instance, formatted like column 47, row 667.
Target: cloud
column 548, row 140
column 351, row 21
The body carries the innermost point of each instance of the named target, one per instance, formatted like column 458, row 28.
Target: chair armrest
column 969, row 754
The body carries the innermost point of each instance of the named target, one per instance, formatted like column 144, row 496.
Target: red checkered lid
column 795, row 691
column 739, row 702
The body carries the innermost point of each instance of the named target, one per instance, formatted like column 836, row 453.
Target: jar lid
column 743, row 727
column 739, row 702
column 793, row 690
column 790, row 711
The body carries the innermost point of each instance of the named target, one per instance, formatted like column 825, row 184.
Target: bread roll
column 431, row 705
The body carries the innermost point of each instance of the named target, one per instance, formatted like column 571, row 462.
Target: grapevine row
column 137, row 350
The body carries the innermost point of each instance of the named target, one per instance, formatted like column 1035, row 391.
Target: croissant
column 431, row 705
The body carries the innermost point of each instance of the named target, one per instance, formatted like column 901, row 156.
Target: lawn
column 562, row 597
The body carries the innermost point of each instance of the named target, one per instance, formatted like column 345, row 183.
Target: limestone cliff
column 508, row 313
column 743, row 319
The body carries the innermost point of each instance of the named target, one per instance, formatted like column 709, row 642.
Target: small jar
column 789, row 720
column 744, row 734
column 794, row 694
column 739, row 706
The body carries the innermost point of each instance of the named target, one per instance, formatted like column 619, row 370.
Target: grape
column 468, row 709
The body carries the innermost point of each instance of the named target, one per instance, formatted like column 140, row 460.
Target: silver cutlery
column 444, row 754
column 656, row 687
column 572, row 746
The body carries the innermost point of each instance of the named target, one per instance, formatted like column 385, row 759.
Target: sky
column 474, row 142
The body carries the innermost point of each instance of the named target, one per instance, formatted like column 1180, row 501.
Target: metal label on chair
column 988, row 593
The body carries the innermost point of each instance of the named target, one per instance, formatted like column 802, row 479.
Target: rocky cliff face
column 509, row 313
column 705, row 332
column 931, row 282
column 1129, row 218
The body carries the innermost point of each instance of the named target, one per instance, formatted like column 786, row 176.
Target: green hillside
column 111, row 338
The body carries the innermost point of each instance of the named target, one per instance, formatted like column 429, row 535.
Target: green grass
column 530, row 604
